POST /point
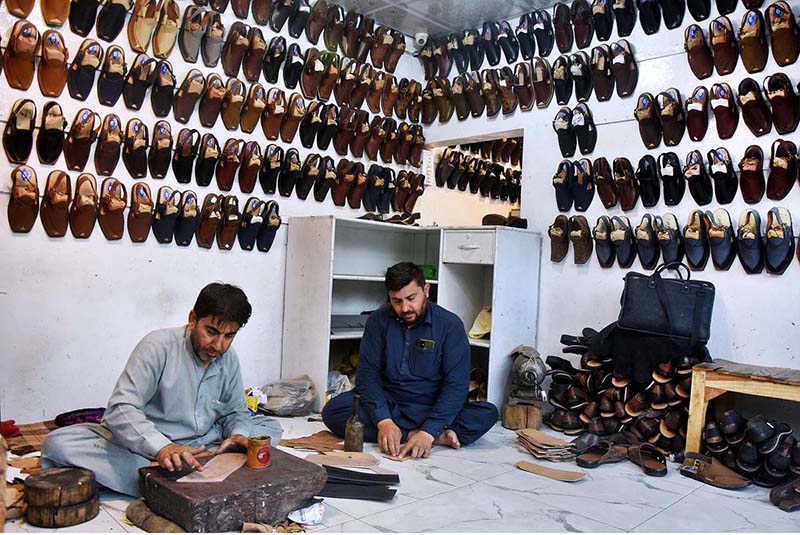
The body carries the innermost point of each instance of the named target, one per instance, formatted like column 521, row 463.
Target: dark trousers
column 474, row 420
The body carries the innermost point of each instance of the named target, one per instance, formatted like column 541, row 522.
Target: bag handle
column 675, row 266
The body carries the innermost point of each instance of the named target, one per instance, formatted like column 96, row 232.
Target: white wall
column 755, row 317
column 74, row 309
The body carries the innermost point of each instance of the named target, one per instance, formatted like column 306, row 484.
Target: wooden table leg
column 698, row 405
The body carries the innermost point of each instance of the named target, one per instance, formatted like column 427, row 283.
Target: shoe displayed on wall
column 525, row 37
column 647, row 247
column 567, row 140
column 671, row 175
column 604, row 182
column 80, row 77
column 624, row 243
column 603, row 19
column 700, row 9
column 784, row 33
column 750, row 248
column 52, row 70
column 649, row 15
column 753, row 41
column 625, row 181
column 721, row 170
column 697, row 114
column 648, row 119
column 110, row 213
column 670, row 240
column 582, row 22
column 559, row 238
column 784, row 102
column 563, row 184
column 543, row 31
column 23, row 205
column 755, row 112
column 673, row 11
column 782, row 169
column 581, row 237
column 604, row 247
column 696, row 175
column 54, row 211
column 623, row 65
column 701, row 61
column 562, row 80
column 582, row 187
column 647, row 177
column 50, row 140
column 18, row 133
column 562, row 26
column 751, row 172
column 724, row 45
column 695, row 241
column 721, row 238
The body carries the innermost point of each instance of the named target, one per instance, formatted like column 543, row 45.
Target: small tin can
column 258, row 451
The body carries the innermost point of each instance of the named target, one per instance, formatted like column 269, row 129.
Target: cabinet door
column 468, row 246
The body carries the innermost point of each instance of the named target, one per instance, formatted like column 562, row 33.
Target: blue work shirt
column 427, row 382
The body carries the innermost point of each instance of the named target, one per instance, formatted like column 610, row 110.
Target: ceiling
column 441, row 17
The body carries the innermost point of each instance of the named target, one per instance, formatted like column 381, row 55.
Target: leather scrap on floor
column 322, row 441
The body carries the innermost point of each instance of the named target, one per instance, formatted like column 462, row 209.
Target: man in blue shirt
column 412, row 375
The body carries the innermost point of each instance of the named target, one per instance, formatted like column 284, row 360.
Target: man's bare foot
column 448, row 438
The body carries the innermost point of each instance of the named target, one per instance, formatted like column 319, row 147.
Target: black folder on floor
column 350, row 484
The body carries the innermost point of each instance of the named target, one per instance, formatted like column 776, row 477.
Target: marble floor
column 478, row 489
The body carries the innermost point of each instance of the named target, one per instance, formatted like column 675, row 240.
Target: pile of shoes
column 593, row 398
column 462, row 170
column 406, row 219
column 477, row 384
column 762, row 450
column 544, row 446
column 787, row 496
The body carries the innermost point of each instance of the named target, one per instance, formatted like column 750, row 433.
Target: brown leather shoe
column 344, row 182
column 559, row 238
column 648, row 119
column 211, row 101
column 228, row 164
column 505, row 83
column 755, row 111
column 232, row 102
column 209, row 221
column 697, row 50
column 140, row 216
column 294, row 114
column 712, row 472
column 429, row 111
column 360, row 134
column 602, row 73
column 166, row 33
column 21, row 8
column 376, row 91
column 383, row 42
column 751, row 177
column 160, row 150
column 356, row 193
column 542, row 82
column 581, row 237
column 111, row 212
column 491, row 93
column 362, row 85
column 784, row 102
column 82, row 134
column 473, row 91
column 236, row 44
column 23, row 206
column 109, row 143
column 334, row 28
column 673, row 118
column 782, row 169
column 313, row 68
column 627, row 186
column 396, row 51
column 724, row 108
column 753, row 41
column 52, row 71
column 273, row 115
column 54, row 12
column 54, row 211
column 309, row 174
column 253, row 57
column 348, row 74
column 391, row 92
column 141, row 24
column 388, row 148
column 251, row 161
column 134, row 148
column 697, row 113
column 83, row 212
column 784, row 33
column 623, row 65
column 330, row 75
column 254, row 106
column 724, row 45
column 604, row 182
column 187, row 96
column 318, row 19
column 523, row 86
column 22, row 48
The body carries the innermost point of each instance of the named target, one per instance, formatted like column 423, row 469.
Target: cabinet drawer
column 468, row 246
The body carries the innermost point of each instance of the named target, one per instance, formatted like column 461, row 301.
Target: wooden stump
column 522, row 416
column 61, row 497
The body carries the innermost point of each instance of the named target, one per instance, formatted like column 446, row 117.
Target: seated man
column 412, row 375
column 181, row 391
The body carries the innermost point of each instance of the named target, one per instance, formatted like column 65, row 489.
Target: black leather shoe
column 584, row 128
column 668, row 234
column 562, row 26
column 507, row 40
column 624, row 244
column 567, row 140
column 581, row 76
column 750, row 244
column 603, row 246
column 274, row 58
column 700, row 9
column 778, row 462
column 779, row 250
column 542, row 27
column 562, row 80
column 489, row 43
column 646, row 243
column 649, row 186
column 583, row 185
column 769, row 445
column 731, row 422
column 279, row 13
column 698, row 179
column 602, row 73
column 721, row 238
column 726, row 182
column 18, row 133
column 673, row 12
column 456, row 50
column 695, row 241
column 649, row 15
column 563, row 182
column 747, row 458
column 471, row 41
column 625, row 14
column 293, row 67
column 603, row 18
column 669, row 171
column 524, row 33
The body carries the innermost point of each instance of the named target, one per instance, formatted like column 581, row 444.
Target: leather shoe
column 671, row 114
column 724, row 45
column 695, row 241
column 750, row 244
column 721, row 238
column 648, row 119
column 784, row 102
column 779, row 250
column 669, row 238
column 699, row 182
column 624, row 244
column 646, row 243
column 725, row 180
column 752, row 174
column 755, row 112
column 753, row 41
column 697, row 114
column 701, row 61
column 604, row 246
column 784, row 33
column 782, row 169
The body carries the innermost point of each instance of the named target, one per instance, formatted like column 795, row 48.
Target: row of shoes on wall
column 595, row 399
column 319, row 75
column 607, row 68
column 461, row 170
column 503, row 150
column 174, row 214
column 382, row 192
column 724, row 52
column 575, row 128
column 575, row 183
column 142, row 153
column 665, row 116
column 705, row 235
column 353, row 33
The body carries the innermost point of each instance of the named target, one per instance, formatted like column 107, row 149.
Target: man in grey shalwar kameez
column 181, row 391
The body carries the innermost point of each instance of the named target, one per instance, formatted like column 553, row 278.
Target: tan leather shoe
column 166, row 34
column 54, row 12
column 52, row 71
column 187, row 96
column 232, row 103
column 141, row 24
column 294, row 114
column 20, row 8
column 21, row 49
column 254, row 106
column 211, row 101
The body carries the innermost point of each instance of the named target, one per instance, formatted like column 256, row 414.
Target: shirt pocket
column 427, row 364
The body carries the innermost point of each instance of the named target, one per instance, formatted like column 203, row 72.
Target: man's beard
column 417, row 317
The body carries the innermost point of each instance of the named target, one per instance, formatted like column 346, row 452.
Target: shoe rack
column 335, row 270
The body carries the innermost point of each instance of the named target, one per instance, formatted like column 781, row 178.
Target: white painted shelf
column 367, row 278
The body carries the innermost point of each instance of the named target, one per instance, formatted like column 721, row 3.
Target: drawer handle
column 469, row 247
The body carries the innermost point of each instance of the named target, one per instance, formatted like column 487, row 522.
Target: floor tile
column 354, row 526
column 477, row 470
column 15, row 526
column 482, row 508
column 361, row 508
column 706, row 510
column 333, row 517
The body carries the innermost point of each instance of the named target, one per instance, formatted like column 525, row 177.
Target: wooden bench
column 712, row 379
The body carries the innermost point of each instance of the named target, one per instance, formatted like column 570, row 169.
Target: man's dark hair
column 401, row 275
column 225, row 302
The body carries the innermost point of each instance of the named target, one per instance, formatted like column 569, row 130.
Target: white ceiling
column 442, row 17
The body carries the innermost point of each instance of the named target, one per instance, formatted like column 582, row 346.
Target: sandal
column 649, row 459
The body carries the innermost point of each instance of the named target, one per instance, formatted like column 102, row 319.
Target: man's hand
column 418, row 445
column 233, row 443
column 172, row 457
column 389, row 436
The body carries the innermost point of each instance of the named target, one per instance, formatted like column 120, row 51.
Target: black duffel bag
column 679, row 307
